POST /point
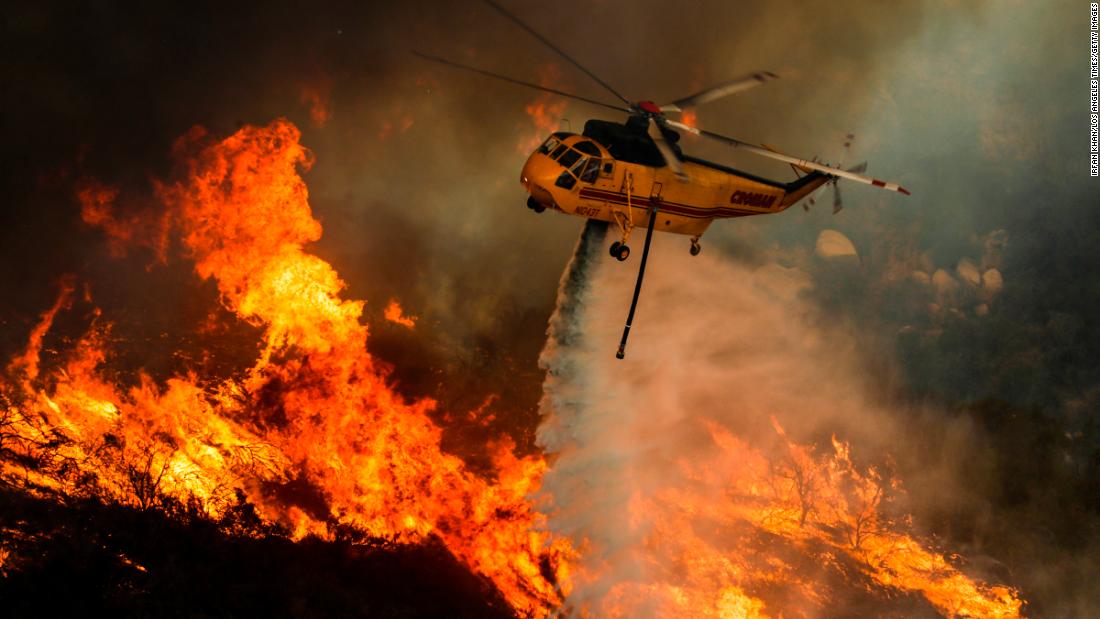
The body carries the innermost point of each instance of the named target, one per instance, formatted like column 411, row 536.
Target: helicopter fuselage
column 581, row 175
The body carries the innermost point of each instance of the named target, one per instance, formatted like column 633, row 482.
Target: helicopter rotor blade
column 735, row 143
column 811, row 199
column 838, row 204
column 721, row 90
column 557, row 50
column 666, row 151
column 451, row 63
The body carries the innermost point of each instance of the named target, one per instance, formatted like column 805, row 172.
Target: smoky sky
column 416, row 173
column 980, row 109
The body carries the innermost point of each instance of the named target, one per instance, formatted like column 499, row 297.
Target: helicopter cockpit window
column 588, row 148
column 566, row 180
column 591, row 171
column 579, row 166
column 550, row 144
column 558, row 151
column 569, row 158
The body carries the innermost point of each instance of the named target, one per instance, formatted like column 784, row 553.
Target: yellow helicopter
column 634, row 173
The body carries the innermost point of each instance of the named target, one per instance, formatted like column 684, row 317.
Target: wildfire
column 545, row 111
column 395, row 314
column 735, row 531
column 98, row 209
column 751, row 536
column 314, row 407
column 676, row 511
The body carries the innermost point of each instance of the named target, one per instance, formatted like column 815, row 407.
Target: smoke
column 416, row 165
column 975, row 106
column 564, row 377
column 716, row 344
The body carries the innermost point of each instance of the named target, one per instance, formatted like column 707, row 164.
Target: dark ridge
column 86, row 559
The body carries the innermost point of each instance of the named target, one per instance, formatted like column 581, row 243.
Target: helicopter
column 634, row 173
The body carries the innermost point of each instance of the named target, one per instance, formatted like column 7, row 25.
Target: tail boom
column 803, row 187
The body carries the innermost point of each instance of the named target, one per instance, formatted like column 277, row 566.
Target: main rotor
column 655, row 116
column 657, row 124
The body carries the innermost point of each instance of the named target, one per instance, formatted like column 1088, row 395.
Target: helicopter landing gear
column 695, row 246
column 619, row 251
column 534, row 205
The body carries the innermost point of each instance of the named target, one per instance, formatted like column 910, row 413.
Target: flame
column 689, row 117
column 546, row 115
column 680, row 498
column 738, row 531
column 98, row 209
column 827, row 500
column 317, row 96
column 27, row 363
column 313, row 409
column 545, row 111
column 751, row 536
column 399, row 120
column 395, row 314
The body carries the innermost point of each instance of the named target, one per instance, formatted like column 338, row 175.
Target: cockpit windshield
column 591, row 171
column 549, row 145
column 569, row 158
column 579, row 166
column 587, row 147
column 581, row 160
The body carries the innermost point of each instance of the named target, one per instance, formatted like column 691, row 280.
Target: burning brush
column 313, row 410
column 311, row 442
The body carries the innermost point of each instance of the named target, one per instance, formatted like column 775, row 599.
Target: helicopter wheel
column 619, row 251
column 534, row 205
column 695, row 248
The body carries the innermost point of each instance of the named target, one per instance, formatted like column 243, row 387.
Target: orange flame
column 27, row 363
column 751, row 536
column 98, row 209
column 314, row 407
column 395, row 314
column 546, row 110
column 744, row 535
column 689, row 118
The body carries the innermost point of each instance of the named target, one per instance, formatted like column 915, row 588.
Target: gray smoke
column 980, row 108
column 561, row 389
column 714, row 342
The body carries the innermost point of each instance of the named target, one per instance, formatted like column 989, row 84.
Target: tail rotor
column 838, row 203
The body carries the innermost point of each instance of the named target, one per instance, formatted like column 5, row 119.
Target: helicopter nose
column 538, row 175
